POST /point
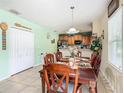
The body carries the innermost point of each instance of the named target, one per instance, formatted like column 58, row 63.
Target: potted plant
column 96, row 44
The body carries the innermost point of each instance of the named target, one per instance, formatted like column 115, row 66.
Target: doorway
column 21, row 49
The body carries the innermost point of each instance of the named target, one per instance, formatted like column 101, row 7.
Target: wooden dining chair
column 57, row 78
column 59, row 57
column 49, row 58
column 96, row 65
column 91, row 73
column 79, row 54
column 91, row 60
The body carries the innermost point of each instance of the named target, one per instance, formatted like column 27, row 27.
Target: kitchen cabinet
column 77, row 37
column 70, row 40
column 86, row 40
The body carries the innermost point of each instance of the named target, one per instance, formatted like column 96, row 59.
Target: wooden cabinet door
column 70, row 40
column 86, row 40
column 77, row 37
column 83, row 40
column 65, row 38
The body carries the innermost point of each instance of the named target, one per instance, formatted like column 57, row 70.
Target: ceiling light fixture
column 72, row 30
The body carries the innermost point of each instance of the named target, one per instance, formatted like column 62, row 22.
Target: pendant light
column 72, row 30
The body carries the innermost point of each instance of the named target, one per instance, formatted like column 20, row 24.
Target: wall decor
column 3, row 40
column 114, row 4
column 4, row 28
column 53, row 41
column 22, row 26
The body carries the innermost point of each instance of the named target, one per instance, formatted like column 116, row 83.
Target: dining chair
column 88, row 78
column 96, row 65
column 59, row 57
column 79, row 54
column 90, row 73
column 57, row 78
column 93, row 58
column 49, row 58
column 90, row 60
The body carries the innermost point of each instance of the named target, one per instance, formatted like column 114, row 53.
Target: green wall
column 42, row 44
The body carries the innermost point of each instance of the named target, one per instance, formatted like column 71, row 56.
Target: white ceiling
column 56, row 14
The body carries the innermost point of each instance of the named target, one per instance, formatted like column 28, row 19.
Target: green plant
column 96, row 44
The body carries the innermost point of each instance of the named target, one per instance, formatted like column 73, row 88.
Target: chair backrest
column 93, row 58
column 79, row 54
column 49, row 58
column 97, row 64
column 57, row 78
column 58, row 55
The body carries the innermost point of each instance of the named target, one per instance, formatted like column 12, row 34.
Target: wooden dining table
column 86, row 76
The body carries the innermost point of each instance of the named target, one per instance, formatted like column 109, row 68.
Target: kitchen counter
column 84, row 52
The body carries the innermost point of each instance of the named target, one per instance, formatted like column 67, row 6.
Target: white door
column 21, row 50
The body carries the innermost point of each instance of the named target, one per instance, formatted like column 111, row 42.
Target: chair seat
column 64, row 60
column 87, row 73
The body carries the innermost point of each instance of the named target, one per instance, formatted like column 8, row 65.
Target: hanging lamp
column 72, row 30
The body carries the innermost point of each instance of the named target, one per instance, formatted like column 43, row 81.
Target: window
column 115, row 39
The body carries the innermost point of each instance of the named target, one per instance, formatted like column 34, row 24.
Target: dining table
column 86, row 76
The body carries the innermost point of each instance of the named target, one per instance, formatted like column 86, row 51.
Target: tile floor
column 27, row 82
column 24, row 82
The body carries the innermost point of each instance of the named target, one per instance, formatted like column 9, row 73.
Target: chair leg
column 79, row 89
column 96, row 87
column 92, row 88
column 43, row 84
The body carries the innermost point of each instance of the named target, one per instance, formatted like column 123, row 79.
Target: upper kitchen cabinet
column 84, row 38
column 77, row 37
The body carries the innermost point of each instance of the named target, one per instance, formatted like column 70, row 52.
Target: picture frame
column 114, row 4
column 53, row 41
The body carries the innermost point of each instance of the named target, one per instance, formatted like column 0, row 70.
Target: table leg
column 43, row 84
column 93, row 87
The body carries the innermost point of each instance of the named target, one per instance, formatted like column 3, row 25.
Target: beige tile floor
column 24, row 82
column 27, row 82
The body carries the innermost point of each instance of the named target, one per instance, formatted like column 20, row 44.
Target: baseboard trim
column 106, row 83
column 3, row 78
column 37, row 64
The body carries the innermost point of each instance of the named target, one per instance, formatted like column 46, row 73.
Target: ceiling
column 56, row 14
